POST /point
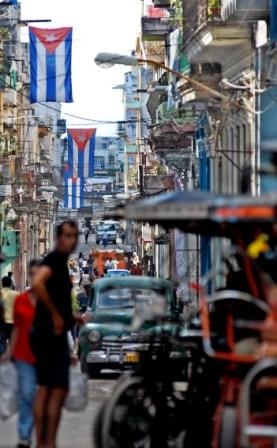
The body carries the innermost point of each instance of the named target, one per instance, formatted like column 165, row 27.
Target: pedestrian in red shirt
column 136, row 269
column 20, row 351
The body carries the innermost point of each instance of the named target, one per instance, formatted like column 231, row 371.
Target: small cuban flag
column 50, row 65
column 81, row 147
column 73, row 193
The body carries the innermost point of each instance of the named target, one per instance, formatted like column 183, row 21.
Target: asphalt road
column 76, row 428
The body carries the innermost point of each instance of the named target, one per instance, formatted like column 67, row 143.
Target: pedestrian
column 122, row 236
column 80, row 260
column 8, row 297
column 114, row 263
column 3, row 337
column 90, row 264
column 136, row 269
column 84, row 264
column 10, row 274
column 135, row 258
column 20, row 351
column 85, row 281
column 105, row 239
column 53, row 320
column 86, row 233
column 108, row 265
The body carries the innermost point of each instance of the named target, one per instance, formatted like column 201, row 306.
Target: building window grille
column 99, row 162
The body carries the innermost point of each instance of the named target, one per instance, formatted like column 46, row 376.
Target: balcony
column 10, row 98
column 168, row 137
column 208, row 74
column 244, row 10
column 121, row 130
column 155, row 29
column 162, row 3
column 208, row 39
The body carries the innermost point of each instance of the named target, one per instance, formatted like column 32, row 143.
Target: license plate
column 131, row 357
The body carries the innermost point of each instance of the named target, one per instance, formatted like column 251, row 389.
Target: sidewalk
column 76, row 428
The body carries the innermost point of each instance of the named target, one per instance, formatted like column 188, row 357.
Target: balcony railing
column 195, row 15
column 244, row 10
column 155, row 28
column 162, row 3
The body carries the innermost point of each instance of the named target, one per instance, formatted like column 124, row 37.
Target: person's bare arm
column 40, row 290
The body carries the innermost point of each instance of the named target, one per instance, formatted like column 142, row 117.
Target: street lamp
column 108, row 60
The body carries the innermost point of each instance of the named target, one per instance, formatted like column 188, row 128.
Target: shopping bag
column 77, row 398
column 8, row 390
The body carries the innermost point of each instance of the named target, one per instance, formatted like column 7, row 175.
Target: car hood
column 114, row 316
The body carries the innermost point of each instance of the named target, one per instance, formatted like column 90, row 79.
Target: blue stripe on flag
column 82, row 193
column 51, row 94
column 65, row 192
column 33, row 68
column 91, row 156
column 68, row 80
column 81, row 164
column 70, row 143
column 74, row 199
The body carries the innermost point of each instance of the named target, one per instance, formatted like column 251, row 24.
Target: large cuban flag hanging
column 50, row 65
column 81, row 147
column 73, row 192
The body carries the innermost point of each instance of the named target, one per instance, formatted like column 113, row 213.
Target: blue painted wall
column 205, row 185
column 268, row 134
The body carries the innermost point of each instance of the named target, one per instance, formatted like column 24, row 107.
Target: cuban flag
column 50, row 65
column 73, row 192
column 81, row 147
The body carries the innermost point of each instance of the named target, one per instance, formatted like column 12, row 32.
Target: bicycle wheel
column 228, row 433
column 128, row 416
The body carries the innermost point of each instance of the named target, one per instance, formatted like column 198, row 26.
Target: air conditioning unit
column 9, row 122
column 10, row 98
column 162, row 3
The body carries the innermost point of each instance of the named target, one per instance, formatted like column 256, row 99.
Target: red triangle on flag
column 51, row 37
column 81, row 136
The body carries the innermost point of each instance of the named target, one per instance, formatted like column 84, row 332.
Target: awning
column 205, row 213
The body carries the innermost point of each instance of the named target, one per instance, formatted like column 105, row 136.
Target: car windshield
column 127, row 297
column 117, row 273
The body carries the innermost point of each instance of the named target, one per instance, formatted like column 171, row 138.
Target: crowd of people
column 34, row 334
column 39, row 329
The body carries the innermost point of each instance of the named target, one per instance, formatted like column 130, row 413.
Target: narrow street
column 76, row 428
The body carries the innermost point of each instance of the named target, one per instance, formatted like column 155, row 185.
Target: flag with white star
column 81, row 148
column 50, row 65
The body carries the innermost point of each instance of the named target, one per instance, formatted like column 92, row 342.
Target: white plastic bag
column 77, row 398
column 8, row 390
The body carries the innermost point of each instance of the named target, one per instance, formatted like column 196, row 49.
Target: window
column 111, row 160
column 99, row 162
column 104, row 145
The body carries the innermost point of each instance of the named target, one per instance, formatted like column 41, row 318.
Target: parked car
column 107, row 341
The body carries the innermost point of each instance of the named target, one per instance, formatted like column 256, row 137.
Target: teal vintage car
column 107, row 341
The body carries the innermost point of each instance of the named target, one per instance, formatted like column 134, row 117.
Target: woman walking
column 20, row 351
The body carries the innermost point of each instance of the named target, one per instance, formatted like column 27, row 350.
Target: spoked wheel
column 228, row 433
column 127, row 416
